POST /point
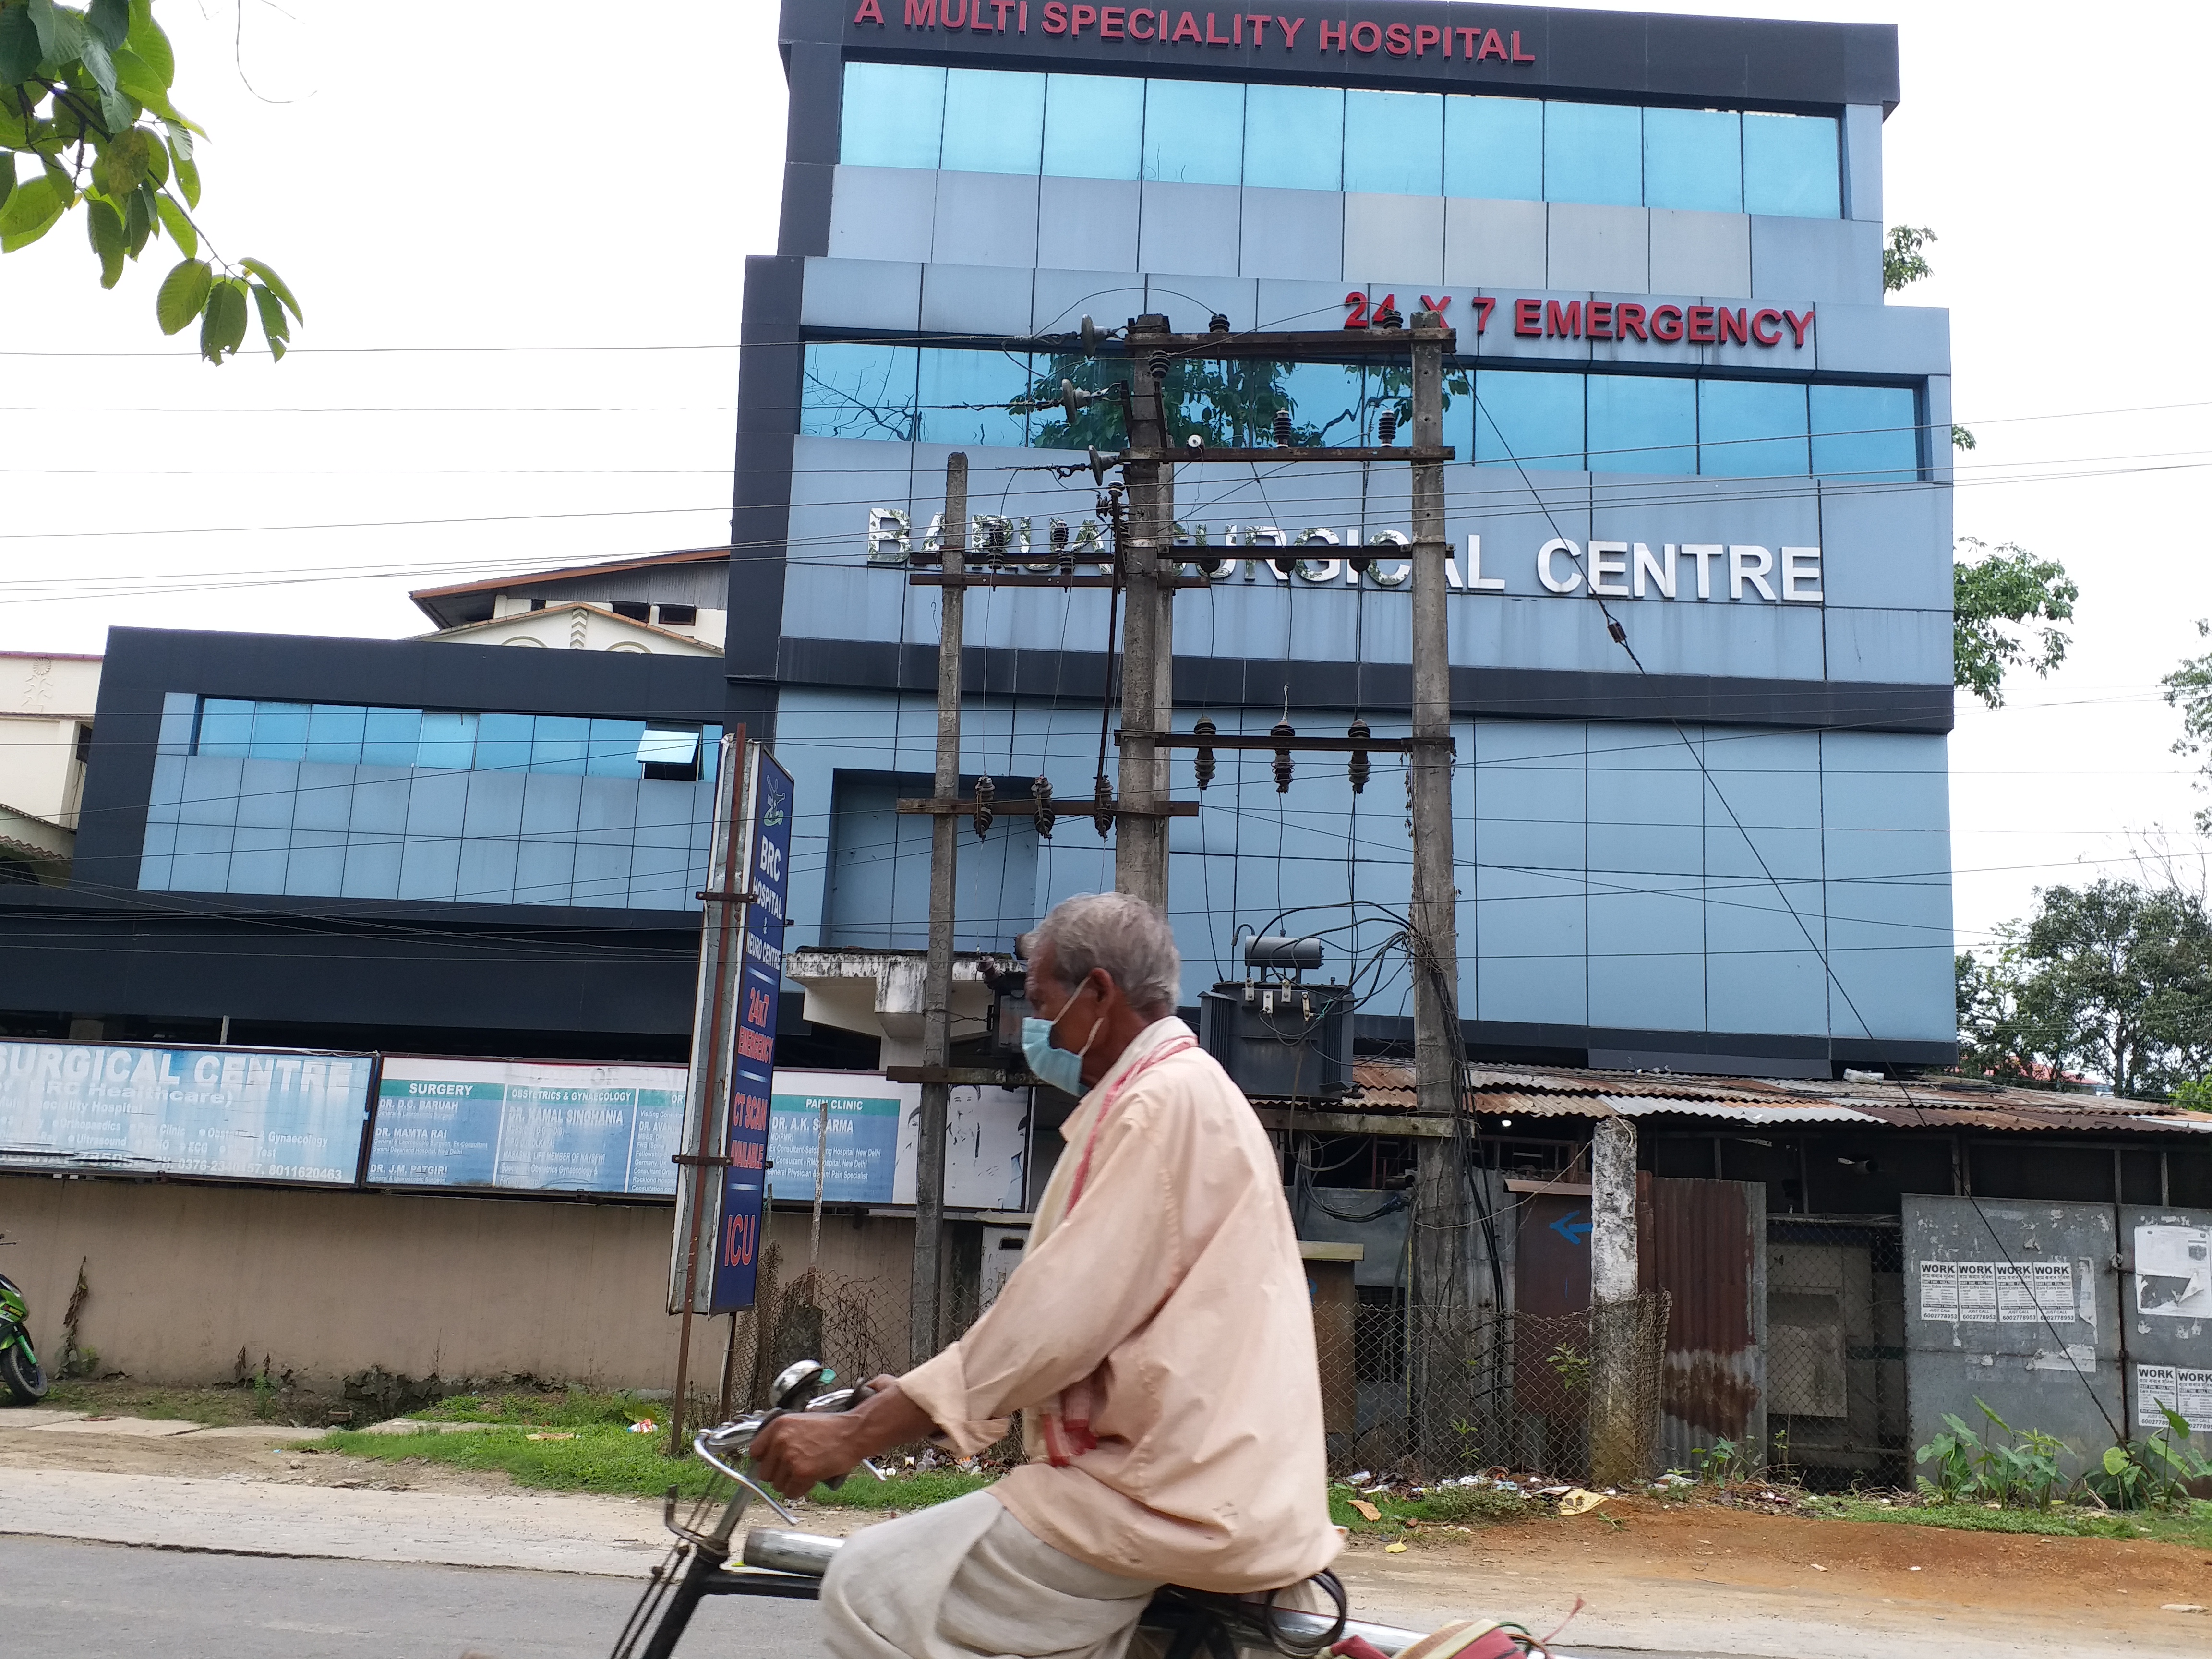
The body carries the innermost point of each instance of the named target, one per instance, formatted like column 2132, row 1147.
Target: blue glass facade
column 476, row 807
column 1540, row 418
column 1331, row 138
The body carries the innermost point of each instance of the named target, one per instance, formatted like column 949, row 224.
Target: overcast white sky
column 576, row 177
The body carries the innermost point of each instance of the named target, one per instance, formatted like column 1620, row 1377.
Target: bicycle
column 789, row 1564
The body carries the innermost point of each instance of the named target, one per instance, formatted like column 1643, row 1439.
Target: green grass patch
column 567, row 1408
column 2192, row 1528
column 1462, row 1506
column 606, row 1457
column 216, row 1407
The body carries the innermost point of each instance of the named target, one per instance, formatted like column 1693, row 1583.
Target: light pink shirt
column 1174, row 1285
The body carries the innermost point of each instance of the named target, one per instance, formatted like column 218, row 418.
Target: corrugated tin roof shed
column 1382, row 1087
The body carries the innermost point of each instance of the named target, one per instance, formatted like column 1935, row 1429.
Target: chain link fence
column 1438, row 1393
column 1835, row 1352
column 1428, row 1394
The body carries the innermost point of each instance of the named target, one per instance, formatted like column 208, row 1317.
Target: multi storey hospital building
column 1678, row 402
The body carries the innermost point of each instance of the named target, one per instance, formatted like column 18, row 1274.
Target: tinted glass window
column 1094, row 126
column 1394, row 143
column 893, row 115
column 993, row 121
column 1866, row 433
column 1294, row 137
column 966, row 397
column 1324, row 401
column 1693, row 158
column 335, row 734
column 1535, row 420
column 1494, row 148
column 858, row 391
column 1193, row 131
column 390, row 737
column 1593, row 153
column 1751, row 429
column 1790, row 166
column 1643, row 425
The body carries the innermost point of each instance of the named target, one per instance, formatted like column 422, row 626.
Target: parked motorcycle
column 20, row 1371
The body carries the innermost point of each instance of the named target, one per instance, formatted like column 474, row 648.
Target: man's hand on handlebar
column 798, row 1451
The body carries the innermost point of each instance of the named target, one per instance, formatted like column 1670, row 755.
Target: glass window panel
column 894, row 113
column 854, row 391
column 614, row 748
column 993, row 121
column 1643, row 425
column 335, row 731
column 966, row 397
column 661, row 747
column 1323, row 399
column 1394, row 143
column 1790, row 166
column 1294, row 137
column 448, row 740
column 1593, row 153
column 1866, row 433
column 504, row 742
column 392, row 736
column 280, row 730
column 1752, row 430
column 1094, row 126
column 1533, row 419
column 225, row 727
column 1194, row 131
column 561, row 745
column 710, row 758
column 1693, row 158
column 1494, row 148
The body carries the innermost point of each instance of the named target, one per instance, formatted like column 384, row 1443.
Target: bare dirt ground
column 1682, row 1577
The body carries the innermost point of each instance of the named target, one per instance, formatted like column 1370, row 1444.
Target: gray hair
column 1120, row 933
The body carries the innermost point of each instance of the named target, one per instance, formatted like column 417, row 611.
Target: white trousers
column 965, row 1580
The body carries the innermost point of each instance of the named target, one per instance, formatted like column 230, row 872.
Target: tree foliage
column 2111, row 979
column 1902, row 261
column 2189, row 688
column 2006, row 606
column 87, row 125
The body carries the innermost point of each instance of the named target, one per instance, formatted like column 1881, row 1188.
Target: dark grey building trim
column 1768, row 63
column 143, row 664
column 1713, row 1054
column 1380, row 688
column 771, row 366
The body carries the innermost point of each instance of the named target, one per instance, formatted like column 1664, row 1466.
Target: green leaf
column 2115, row 1460
column 110, row 20
column 99, row 63
column 30, row 211
column 125, row 162
column 61, row 33
column 274, row 328
column 276, row 287
column 138, row 220
column 7, row 175
column 222, row 327
column 183, row 294
column 135, row 75
column 19, row 51
column 180, row 226
column 151, row 46
column 105, row 226
column 188, row 172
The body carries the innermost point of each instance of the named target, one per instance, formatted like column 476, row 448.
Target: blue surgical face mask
column 1049, row 1063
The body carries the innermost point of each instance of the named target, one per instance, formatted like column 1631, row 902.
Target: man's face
column 1084, row 1005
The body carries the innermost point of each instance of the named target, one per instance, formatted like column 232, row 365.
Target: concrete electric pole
column 1141, row 842
column 922, row 1331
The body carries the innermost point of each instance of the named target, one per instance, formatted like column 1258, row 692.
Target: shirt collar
column 1159, row 1032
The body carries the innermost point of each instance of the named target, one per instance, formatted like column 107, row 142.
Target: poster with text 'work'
column 254, row 1115
column 526, row 1125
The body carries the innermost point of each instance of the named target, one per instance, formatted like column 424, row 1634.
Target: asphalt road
column 117, row 1601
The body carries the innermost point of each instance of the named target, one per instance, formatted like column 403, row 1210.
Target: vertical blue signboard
column 752, row 1068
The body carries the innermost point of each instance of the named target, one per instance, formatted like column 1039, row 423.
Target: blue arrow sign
column 1574, row 1231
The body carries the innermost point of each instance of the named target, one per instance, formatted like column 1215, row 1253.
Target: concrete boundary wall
column 325, row 1284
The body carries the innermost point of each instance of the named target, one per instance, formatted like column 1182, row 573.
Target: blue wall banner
column 246, row 1115
column 852, row 1120
column 766, row 823
column 526, row 1125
